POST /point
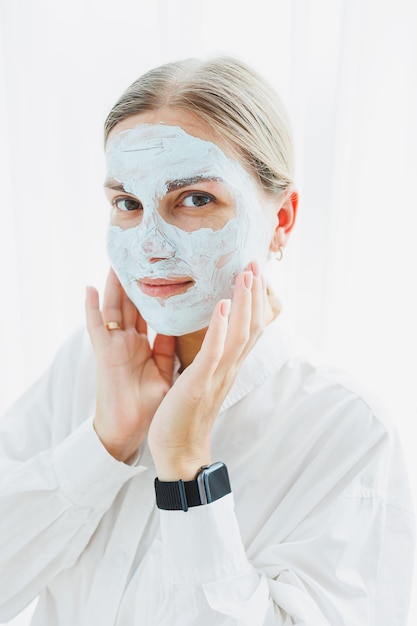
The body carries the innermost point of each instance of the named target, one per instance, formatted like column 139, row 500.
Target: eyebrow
column 111, row 183
column 172, row 185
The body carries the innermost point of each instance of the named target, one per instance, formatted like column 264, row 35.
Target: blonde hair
column 233, row 99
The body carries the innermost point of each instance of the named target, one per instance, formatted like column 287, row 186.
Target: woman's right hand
column 132, row 377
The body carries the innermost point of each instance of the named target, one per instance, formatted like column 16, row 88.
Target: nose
column 156, row 246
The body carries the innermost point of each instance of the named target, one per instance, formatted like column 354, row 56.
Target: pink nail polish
column 248, row 279
column 225, row 308
column 256, row 269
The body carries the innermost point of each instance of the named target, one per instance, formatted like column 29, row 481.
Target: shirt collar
column 268, row 355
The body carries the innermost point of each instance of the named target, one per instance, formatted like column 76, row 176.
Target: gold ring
column 113, row 326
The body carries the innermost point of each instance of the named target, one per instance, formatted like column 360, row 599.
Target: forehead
column 149, row 146
column 158, row 154
column 191, row 123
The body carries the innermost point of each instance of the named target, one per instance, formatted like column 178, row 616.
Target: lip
column 165, row 287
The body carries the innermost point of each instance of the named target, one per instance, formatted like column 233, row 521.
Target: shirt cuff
column 202, row 545
column 86, row 472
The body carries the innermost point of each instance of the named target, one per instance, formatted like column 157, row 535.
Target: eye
column 127, row 204
column 196, row 200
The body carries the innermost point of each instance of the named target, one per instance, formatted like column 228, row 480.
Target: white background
column 347, row 71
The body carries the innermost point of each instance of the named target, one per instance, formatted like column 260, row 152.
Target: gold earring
column 279, row 254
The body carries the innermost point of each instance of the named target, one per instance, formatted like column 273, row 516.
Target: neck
column 187, row 346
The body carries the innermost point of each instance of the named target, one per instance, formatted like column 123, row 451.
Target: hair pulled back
column 233, row 99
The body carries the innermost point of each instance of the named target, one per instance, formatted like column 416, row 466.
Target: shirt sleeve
column 53, row 494
column 50, row 506
column 349, row 562
column 206, row 570
column 204, row 559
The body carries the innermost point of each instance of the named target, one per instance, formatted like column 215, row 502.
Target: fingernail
column 225, row 308
column 248, row 279
column 256, row 269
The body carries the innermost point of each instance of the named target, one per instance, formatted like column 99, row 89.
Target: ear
column 286, row 214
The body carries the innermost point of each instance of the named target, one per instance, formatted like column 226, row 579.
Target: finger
column 112, row 302
column 265, row 297
column 212, row 348
column 258, row 303
column 258, row 308
column 141, row 325
column 95, row 325
column 129, row 311
column 163, row 353
column 240, row 320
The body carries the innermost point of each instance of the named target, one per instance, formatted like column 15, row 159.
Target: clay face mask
column 148, row 160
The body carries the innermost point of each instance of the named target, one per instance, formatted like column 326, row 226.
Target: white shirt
column 319, row 529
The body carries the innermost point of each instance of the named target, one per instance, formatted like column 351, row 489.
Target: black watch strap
column 176, row 495
column 212, row 483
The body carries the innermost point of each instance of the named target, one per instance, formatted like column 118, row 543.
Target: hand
column 180, row 432
column 132, row 378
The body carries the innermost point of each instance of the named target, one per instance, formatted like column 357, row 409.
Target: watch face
column 213, row 483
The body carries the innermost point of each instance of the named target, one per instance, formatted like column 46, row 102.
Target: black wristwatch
column 211, row 483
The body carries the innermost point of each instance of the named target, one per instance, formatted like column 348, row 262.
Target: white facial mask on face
column 144, row 160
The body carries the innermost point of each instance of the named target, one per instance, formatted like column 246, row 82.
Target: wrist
column 186, row 470
column 124, row 450
column 181, row 462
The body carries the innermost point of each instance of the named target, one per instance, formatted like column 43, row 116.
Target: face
column 186, row 219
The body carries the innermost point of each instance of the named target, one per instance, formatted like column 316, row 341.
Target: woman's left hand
column 180, row 432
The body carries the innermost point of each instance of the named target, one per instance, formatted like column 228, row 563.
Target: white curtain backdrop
column 347, row 71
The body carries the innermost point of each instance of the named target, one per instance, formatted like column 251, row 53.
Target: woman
column 117, row 506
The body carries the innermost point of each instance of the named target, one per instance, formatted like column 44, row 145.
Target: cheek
column 215, row 247
column 223, row 260
column 216, row 260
